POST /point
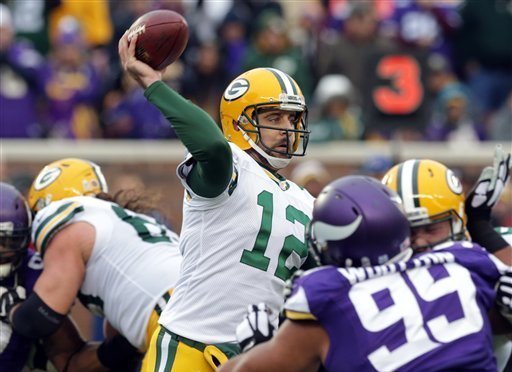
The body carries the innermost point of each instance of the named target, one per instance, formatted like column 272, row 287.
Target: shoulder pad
column 309, row 286
column 51, row 219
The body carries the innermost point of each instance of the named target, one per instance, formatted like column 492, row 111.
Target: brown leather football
column 162, row 37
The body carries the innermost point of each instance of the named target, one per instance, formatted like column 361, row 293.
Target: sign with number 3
column 395, row 93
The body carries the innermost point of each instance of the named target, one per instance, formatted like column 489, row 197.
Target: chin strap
column 274, row 162
column 403, row 256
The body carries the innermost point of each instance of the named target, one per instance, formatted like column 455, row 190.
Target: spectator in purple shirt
column 20, row 75
column 72, row 85
column 424, row 24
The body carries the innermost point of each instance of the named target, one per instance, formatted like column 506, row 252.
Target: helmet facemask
column 251, row 93
column 15, row 229
column 456, row 224
column 14, row 248
column 250, row 126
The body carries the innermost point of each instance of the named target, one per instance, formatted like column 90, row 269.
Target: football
column 162, row 37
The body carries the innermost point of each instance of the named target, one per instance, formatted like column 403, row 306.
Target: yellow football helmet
column 63, row 179
column 430, row 193
column 254, row 90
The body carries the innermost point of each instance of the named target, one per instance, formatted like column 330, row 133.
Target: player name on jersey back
column 429, row 313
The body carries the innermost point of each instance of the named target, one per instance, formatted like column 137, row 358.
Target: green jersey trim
column 54, row 223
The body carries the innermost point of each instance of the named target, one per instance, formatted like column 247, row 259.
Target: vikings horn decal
column 325, row 232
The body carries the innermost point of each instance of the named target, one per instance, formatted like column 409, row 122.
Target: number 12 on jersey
column 292, row 245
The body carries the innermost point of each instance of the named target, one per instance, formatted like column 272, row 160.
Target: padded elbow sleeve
column 34, row 319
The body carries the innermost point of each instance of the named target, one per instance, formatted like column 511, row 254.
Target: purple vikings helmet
column 357, row 221
column 15, row 223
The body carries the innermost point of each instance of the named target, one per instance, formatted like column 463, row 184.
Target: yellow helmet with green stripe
column 430, row 192
column 256, row 90
column 63, row 179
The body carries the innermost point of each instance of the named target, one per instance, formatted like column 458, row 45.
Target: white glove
column 504, row 295
column 5, row 335
column 256, row 328
column 288, row 287
column 8, row 298
column 490, row 185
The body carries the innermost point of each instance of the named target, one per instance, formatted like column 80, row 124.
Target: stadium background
column 356, row 133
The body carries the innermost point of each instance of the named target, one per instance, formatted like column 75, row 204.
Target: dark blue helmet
column 357, row 221
column 15, row 224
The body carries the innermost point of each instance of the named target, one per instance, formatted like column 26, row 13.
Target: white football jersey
column 238, row 249
column 134, row 262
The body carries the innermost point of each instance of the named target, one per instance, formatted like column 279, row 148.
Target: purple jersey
column 429, row 313
column 21, row 73
column 71, row 96
column 14, row 349
column 415, row 25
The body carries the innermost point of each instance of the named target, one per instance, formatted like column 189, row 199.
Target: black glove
column 504, row 295
column 256, row 327
column 10, row 297
column 483, row 197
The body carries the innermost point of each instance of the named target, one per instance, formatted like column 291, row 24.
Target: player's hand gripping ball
column 162, row 36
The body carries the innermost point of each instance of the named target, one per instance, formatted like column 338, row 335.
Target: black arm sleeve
column 200, row 135
column 34, row 319
column 483, row 233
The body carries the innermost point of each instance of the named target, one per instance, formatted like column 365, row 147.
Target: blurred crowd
column 60, row 75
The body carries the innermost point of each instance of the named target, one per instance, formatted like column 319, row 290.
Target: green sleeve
column 200, row 135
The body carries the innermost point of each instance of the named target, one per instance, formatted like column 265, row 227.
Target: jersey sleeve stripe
column 295, row 315
column 53, row 223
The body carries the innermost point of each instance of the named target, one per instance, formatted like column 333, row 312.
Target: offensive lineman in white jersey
column 122, row 265
column 243, row 232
